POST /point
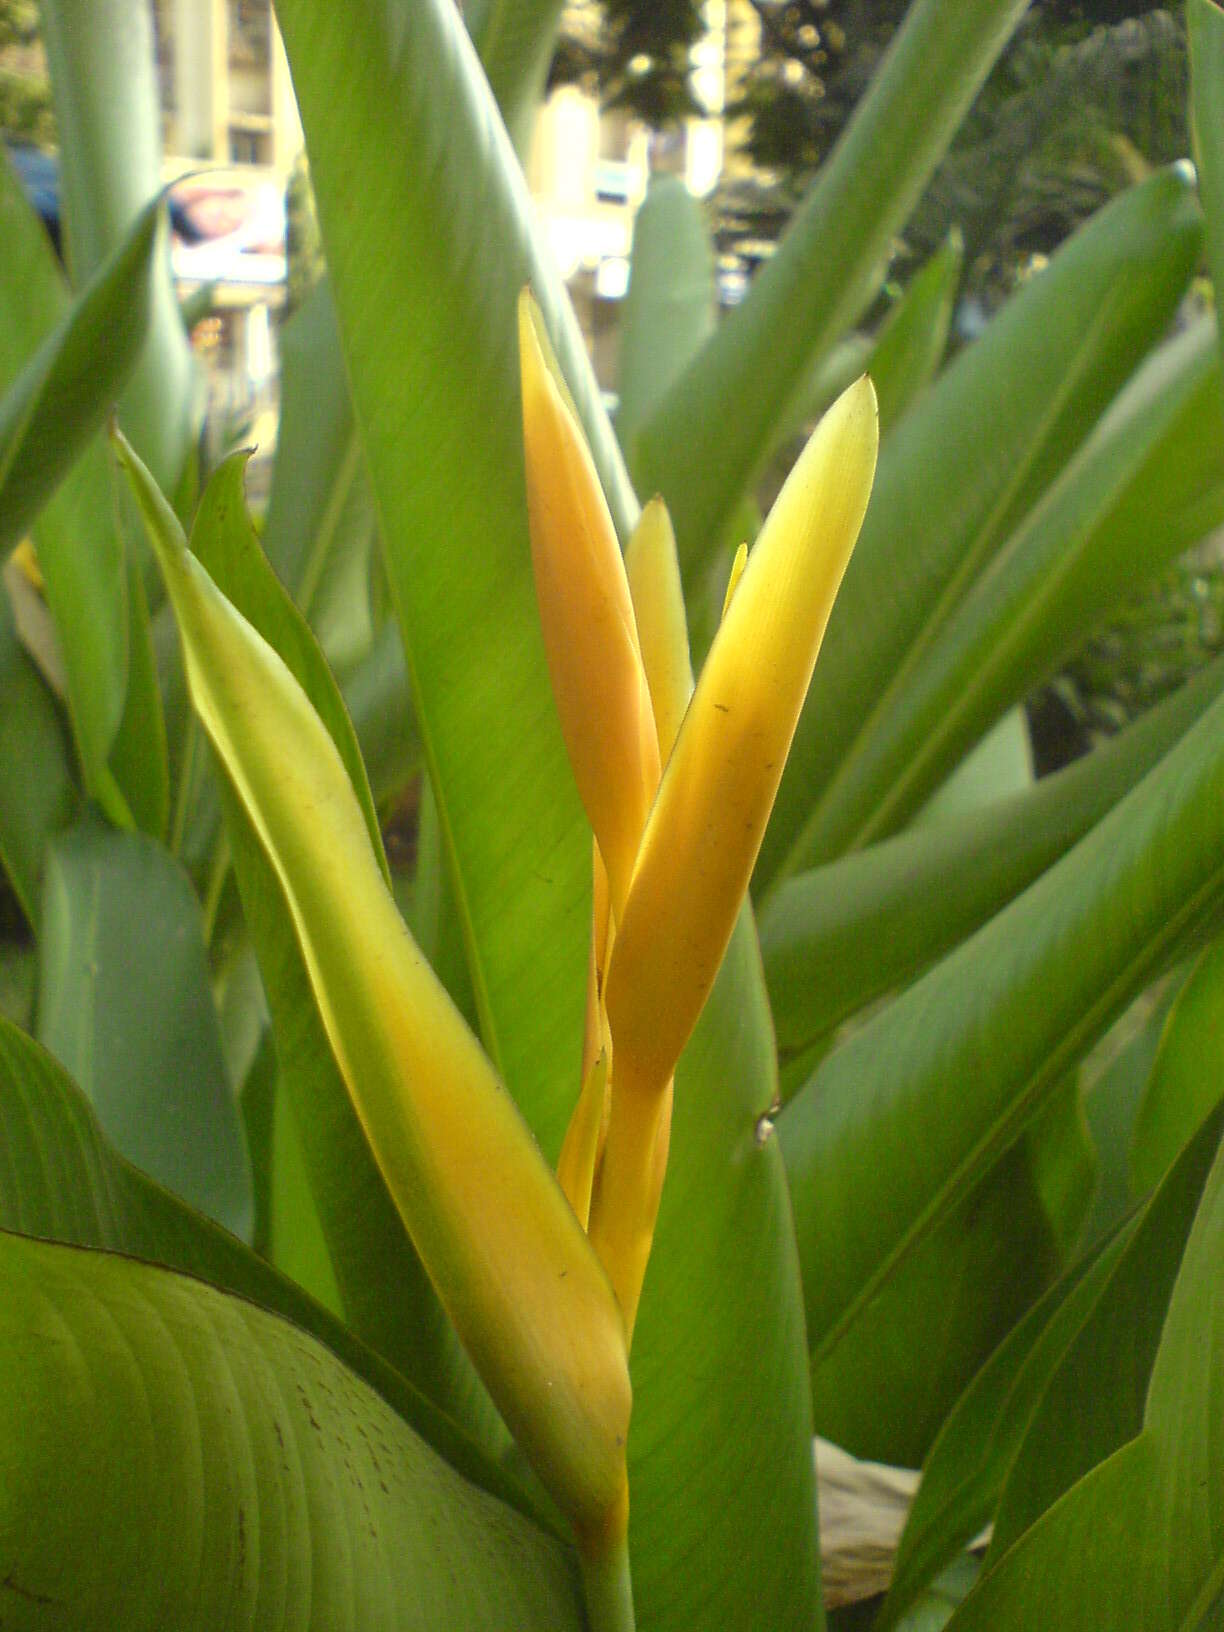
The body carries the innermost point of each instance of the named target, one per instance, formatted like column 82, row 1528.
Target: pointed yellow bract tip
column 590, row 635
column 706, row 825
column 658, row 605
column 734, row 576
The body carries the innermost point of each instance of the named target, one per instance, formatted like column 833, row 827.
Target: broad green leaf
column 911, row 344
column 1187, row 1074
column 107, row 111
column 125, row 1002
column 1078, row 1422
column 887, row 1386
column 837, row 937
column 296, row 1239
column 897, row 1126
column 1139, row 1541
column 38, row 796
column 385, row 1294
column 720, row 1441
column 1001, row 764
column 670, row 303
column 429, row 345
column 319, row 488
column 224, row 541
column 1205, row 26
column 1157, row 453
column 176, row 1457
column 964, row 1472
column 85, row 588
column 705, row 442
column 433, row 918
column 961, row 470
column 431, row 354
column 62, row 395
column 515, row 40
column 379, row 703
column 1111, row 1100
column 62, row 1180
column 138, row 756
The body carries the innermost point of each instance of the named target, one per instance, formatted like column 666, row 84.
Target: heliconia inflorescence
column 685, row 841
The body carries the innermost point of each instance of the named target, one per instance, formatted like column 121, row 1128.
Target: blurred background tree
column 1089, row 96
column 25, row 91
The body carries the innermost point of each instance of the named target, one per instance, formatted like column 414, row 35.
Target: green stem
column 609, row 1590
column 216, row 883
column 186, row 773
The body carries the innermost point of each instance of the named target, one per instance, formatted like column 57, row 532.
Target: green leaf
column 429, row 344
column 1158, row 452
column 379, row 703
column 431, row 354
column 515, row 39
column 837, row 937
column 960, row 471
column 965, row 1470
column 176, row 1457
column 126, row 1004
column 885, row 1389
column 85, row 588
column 670, row 303
column 1111, row 1100
column 298, row 1244
column 63, row 394
column 1078, row 1424
column 384, row 1291
column 138, row 756
column 705, row 442
column 38, row 796
column 720, row 1454
column 1205, row 27
column 318, row 481
column 1099, row 1553
column 1001, row 764
column 897, row 1125
column 1187, row 1074
column 107, row 111
column 911, row 344
column 62, row 1180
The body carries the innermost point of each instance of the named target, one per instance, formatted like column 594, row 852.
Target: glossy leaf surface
column 837, row 937
column 1162, row 1480
column 971, row 459
column 911, row 344
column 50, row 412
column 1187, row 1073
column 121, row 942
column 38, row 795
column 669, row 306
column 964, row 1473
column 1148, row 483
column 178, row 1457
column 897, row 1124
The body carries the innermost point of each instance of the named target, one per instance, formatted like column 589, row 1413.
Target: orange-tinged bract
column 679, row 860
column 590, row 635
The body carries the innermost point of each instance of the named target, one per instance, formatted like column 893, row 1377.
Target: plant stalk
column 609, row 1589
